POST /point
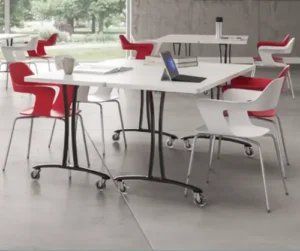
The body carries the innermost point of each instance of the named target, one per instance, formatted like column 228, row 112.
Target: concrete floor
column 54, row 214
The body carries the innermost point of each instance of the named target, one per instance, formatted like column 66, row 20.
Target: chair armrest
column 240, row 95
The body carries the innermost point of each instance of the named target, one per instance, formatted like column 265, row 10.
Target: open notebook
column 99, row 69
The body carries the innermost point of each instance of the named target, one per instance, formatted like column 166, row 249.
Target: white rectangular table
column 147, row 78
column 189, row 39
column 9, row 37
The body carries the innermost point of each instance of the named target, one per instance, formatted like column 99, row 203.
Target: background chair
column 142, row 50
column 16, row 53
column 46, row 105
column 239, row 125
column 100, row 96
column 258, row 84
column 40, row 52
column 266, row 59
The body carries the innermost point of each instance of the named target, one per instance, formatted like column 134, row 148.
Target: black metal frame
column 140, row 127
column 64, row 164
column 163, row 178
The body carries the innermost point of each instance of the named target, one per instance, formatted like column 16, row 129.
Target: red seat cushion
column 257, row 84
column 260, row 114
column 266, row 114
column 284, row 42
column 277, row 59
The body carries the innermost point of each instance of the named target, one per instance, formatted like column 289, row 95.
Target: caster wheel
column 206, row 93
column 170, row 143
column 249, row 151
column 35, row 174
column 187, row 144
column 199, row 199
column 116, row 136
column 123, row 187
column 101, row 184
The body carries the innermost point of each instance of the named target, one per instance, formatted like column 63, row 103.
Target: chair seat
column 276, row 59
column 53, row 113
column 263, row 114
column 259, row 114
column 248, row 83
column 242, row 131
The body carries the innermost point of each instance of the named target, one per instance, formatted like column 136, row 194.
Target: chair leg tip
column 269, row 211
column 287, row 194
column 207, row 182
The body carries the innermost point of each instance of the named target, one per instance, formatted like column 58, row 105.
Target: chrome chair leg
column 9, row 143
column 122, row 123
column 280, row 162
column 30, row 137
column 282, row 139
column 7, row 76
column 264, row 178
column 253, row 71
column 84, row 140
column 102, row 129
column 52, row 132
column 291, row 84
column 36, row 69
column 49, row 67
column 190, row 164
column 219, row 147
column 211, row 152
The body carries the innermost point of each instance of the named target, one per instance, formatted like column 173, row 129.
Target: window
column 88, row 29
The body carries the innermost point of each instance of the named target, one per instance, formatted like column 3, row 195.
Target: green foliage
column 46, row 33
column 20, row 10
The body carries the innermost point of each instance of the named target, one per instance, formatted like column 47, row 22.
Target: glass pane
column 88, row 29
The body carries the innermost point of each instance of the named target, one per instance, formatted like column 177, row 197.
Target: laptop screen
column 170, row 64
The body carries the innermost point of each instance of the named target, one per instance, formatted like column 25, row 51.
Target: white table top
column 148, row 77
column 202, row 39
column 12, row 36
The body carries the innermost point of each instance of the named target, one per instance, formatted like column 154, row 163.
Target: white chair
column 238, row 125
column 17, row 53
column 266, row 59
column 102, row 95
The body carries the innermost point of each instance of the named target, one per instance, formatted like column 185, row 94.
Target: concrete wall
column 260, row 19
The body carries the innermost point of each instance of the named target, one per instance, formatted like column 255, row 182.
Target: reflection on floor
column 54, row 213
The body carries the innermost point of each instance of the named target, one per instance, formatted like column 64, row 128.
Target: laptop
column 172, row 70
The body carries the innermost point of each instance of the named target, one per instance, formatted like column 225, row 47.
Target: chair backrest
column 266, row 52
column 124, row 42
column 18, row 71
column 52, row 40
column 44, row 94
column 18, row 53
column 212, row 111
column 32, row 44
column 284, row 42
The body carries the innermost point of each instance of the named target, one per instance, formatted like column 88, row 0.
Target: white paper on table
column 99, row 69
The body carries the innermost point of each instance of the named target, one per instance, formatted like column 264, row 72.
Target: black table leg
column 198, row 197
column 140, row 128
column 35, row 174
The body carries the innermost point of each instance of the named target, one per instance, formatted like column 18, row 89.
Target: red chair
column 257, row 84
column 45, row 105
column 284, row 42
column 142, row 50
column 40, row 50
